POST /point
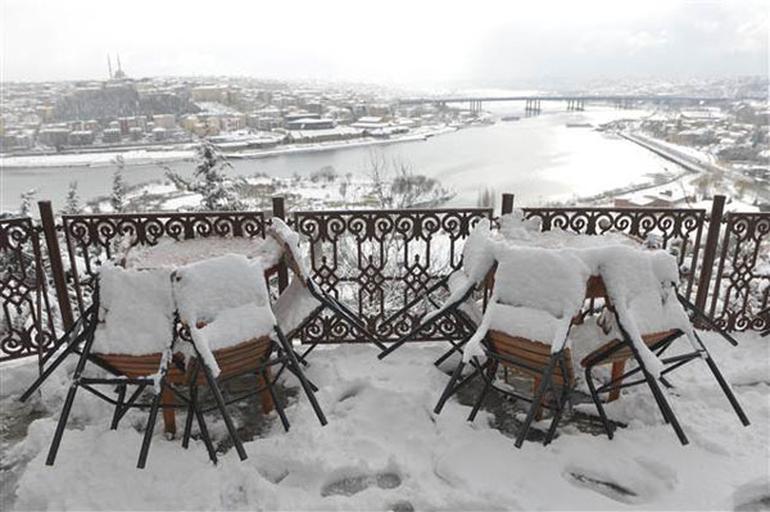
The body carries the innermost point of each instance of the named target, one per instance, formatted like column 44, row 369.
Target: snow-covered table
column 172, row 253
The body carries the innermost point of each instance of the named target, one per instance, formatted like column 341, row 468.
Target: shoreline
column 146, row 156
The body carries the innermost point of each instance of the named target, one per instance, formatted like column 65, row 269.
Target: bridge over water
column 576, row 102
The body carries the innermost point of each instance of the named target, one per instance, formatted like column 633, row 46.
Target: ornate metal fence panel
column 27, row 326
column 93, row 239
column 741, row 290
column 678, row 229
column 377, row 261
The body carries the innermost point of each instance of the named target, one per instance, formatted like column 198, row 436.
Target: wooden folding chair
column 672, row 324
column 86, row 338
column 525, row 330
column 307, row 291
column 215, row 297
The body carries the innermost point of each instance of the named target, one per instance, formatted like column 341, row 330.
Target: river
column 537, row 158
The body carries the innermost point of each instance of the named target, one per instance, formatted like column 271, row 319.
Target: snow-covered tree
column 210, row 181
column 119, row 189
column 72, row 203
column 27, row 199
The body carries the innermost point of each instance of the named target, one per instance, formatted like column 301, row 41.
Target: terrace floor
column 384, row 449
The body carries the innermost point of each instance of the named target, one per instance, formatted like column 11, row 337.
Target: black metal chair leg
column 190, row 414
column 205, row 433
column 217, row 394
column 555, row 420
column 56, row 441
column 149, row 430
column 598, row 402
column 665, row 408
column 278, row 406
column 449, row 389
column 536, row 401
column 48, row 371
column 65, row 412
column 296, row 370
column 116, row 415
column 482, row 396
column 727, row 391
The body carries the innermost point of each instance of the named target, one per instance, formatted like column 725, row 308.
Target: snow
column 136, row 311
column 536, row 293
column 384, row 449
column 172, row 253
column 640, row 287
column 294, row 305
column 218, row 292
column 282, row 232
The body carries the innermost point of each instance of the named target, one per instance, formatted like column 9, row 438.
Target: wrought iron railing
column 27, row 326
column 376, row 260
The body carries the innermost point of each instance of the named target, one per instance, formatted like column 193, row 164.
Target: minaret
column 119, row 69
column 109, row 65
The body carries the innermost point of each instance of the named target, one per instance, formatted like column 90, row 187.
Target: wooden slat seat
column 535, row 355
column 235, row 360
column 624, row 353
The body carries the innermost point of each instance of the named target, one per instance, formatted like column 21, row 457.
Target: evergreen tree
column 210, row 181
column 118, row 197
column 72, row 203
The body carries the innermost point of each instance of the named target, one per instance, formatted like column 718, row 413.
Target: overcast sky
column 393, row 41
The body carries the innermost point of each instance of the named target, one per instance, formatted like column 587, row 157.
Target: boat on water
column 579, row 125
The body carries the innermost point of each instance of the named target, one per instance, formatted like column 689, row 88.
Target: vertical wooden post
column 507, row 203
column 57, row 269
column 709, row 252
column 279, row 210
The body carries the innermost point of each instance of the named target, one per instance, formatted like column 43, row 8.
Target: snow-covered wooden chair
column 525, row 328
column 128, row 331
column 224, row 304
column 303, row 301
column 648, row 317
column 477, row 265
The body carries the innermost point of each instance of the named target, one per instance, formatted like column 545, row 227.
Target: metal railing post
column 54, row 256
column 507, row 203
column 710, row 251
column 279, row 210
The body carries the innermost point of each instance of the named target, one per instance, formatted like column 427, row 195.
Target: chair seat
column 232, row 361
column 615, row 354
column 534, row 354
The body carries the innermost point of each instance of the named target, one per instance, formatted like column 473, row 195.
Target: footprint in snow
column 350, row 485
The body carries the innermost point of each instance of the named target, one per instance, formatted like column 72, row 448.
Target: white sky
column 473, row 42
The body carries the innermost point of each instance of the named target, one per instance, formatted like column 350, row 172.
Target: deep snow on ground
column 384, row 449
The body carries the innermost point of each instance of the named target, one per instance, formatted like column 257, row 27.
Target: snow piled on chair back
column 641, row 286
column 229, row 295
column 545, row 279
column 283, row 233
column 537, row 292
column 136, row 311
column 478, row 256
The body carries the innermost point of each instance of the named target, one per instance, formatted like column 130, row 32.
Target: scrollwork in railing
column 379, row 260
column 26, row 323
column 678, row 229
column 93, row 238
column 742, row 282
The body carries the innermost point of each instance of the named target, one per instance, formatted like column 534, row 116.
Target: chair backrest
column 136, row 311
column 288, row 239
column 642, row 283
column 544, row 279
column 204, row 289
column 478, row 257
